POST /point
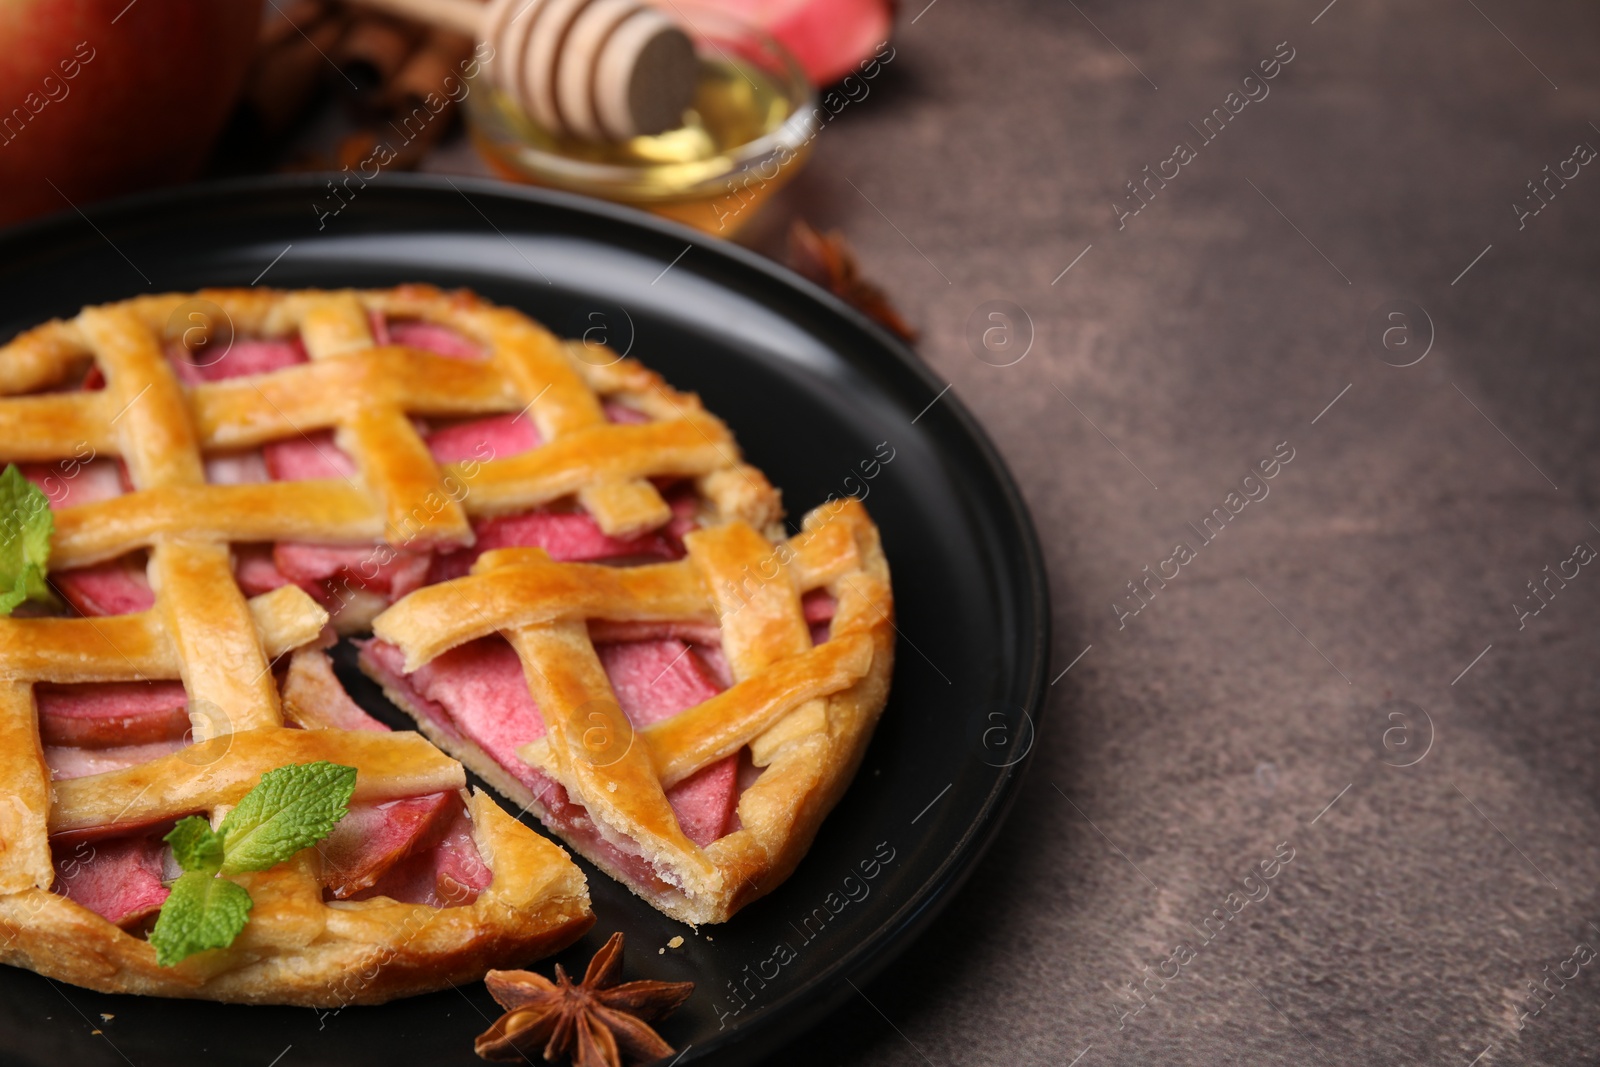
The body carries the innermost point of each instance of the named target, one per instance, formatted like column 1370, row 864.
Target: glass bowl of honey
column 746, row 134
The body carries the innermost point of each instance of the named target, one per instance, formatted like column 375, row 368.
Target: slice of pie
column 687, row 725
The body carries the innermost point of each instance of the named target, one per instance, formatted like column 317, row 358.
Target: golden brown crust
column 806, row 712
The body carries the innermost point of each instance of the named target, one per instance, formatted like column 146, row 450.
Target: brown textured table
column 1255, row 690
column 1377, row 574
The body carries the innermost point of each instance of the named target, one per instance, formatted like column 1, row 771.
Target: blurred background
column 117, row 97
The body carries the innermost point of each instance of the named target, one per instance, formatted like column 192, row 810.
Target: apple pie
column 573, row 582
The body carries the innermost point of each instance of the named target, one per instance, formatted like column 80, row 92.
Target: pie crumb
column 106, row 1016
column 611, row 786
column 676, row 942
column 95, row 1033
column 661, row 952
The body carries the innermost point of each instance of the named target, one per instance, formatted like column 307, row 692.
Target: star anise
column 595, row 1023
column 827, row 259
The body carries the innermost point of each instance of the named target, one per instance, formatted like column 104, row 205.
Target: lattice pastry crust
column 369, row 394
column 202, row 630
column 806, row 712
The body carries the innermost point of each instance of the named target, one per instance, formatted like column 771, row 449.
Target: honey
column 745, row 135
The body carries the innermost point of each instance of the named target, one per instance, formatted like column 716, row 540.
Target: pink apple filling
column 416, row 850
column 367, row 843
column 494, row 437
column 429, row 337
column 394, row 847
column 477, row 694
column 66, row 761
column 106, row 714
column 94, row 727
column 70, row 483
column 372, row 837
column 818, row 607
column 237, row 468
column 241, row 358
column 106, row 726
column 119, row 879
column 654, row 680
column 115, row 587
column 446, row 872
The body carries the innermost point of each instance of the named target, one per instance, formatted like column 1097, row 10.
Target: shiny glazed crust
column 806, row 713
column 297, row 948
column 367, row 394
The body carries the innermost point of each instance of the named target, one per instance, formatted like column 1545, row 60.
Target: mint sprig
column 290, row 809
column 293, row 808
column 196, row 846
column 203, row 911
column 26, row 524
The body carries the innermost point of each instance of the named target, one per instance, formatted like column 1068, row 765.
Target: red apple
column 828, row 37
column 106, row 96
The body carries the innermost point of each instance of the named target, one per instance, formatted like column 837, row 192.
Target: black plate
column 811, row 390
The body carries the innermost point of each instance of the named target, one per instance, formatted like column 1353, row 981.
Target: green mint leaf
column 291, row 808
column 26, row 524
column 195, row 845
column 202, row 912
column 34, row 586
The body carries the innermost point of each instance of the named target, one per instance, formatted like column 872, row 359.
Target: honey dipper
column 600, row 70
